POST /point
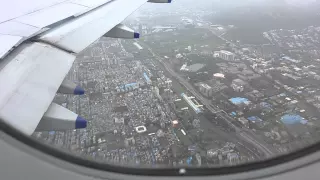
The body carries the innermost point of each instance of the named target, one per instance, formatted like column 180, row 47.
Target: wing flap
column 29, row 79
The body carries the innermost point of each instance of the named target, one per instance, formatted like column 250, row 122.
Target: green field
column 246, row 36
column 167, row 42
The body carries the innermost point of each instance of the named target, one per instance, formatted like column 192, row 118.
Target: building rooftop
column 226, row 52
column 254, row 118
column 205, row 86
column 239, row 100
column 293, row 119
column 220, row 75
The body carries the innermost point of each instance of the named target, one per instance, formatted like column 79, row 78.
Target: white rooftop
column 226, row 52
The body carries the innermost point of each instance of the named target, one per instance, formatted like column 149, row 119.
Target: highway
column 268, row 151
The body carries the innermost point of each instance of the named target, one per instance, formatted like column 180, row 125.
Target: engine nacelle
column 69, row 87
column 160, row 1
column 122, row 31
column 60, row 118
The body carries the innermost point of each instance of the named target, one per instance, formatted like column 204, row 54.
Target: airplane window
column 209, row 83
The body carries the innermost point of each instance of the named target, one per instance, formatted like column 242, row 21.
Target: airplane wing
column 39, row 41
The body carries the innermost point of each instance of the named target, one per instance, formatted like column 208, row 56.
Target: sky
column 215, row 5
column 233, row 3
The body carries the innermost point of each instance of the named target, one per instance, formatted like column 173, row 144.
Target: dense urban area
column 197, row 89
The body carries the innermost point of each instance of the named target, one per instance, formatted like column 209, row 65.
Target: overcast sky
column 225, row 3
column 214, row 5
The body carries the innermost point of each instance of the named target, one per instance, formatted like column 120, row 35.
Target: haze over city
column 208, row 83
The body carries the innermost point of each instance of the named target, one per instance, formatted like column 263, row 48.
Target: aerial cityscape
column 202, row 86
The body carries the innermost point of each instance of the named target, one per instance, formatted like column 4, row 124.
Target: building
column 178, row 56
column 218, row 75
column 113, row 61
column 226, row 55
column 232, row 158
column 238, row 85
column 184, row 68
column 187, row 22
column 140, row 129
column 205, row 89
column 239, row 101
column 175, row 123
column 148, row 80
column 244, row 121
column 129, row 142
column 167, row 93
column 140, row 28
column 129, row 87
column 138, row 45
column 168, row 83
column 286, row 58
column 183, row 138
column 155, row 90
column 191, row 103
column 119, row 120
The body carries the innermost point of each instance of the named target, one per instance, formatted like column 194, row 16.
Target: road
column 220, row 113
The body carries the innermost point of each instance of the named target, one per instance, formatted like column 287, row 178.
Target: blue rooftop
column 265, row 105
column 233, row 113
column 130, row 84
column 146, row 77
column 189, row 160
column 282, row 94
column 239, row 100
column 254, row 118
column 293, row 119
column 192, row 148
